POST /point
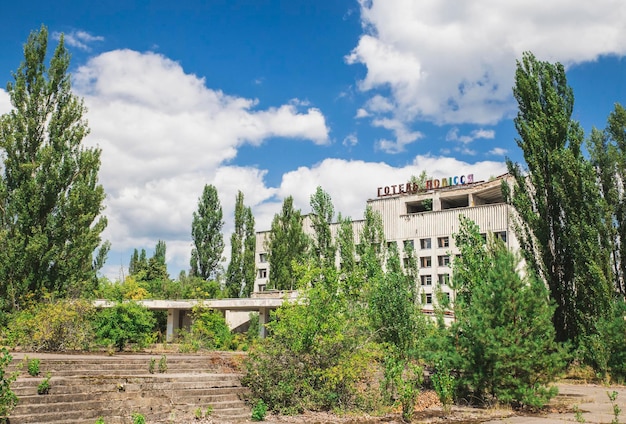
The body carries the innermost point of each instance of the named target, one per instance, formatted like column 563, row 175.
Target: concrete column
column 172, row 324
column 264, row 317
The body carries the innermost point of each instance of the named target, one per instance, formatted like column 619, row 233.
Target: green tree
column 608, row 155
column 249, row 249
column 559, row 224
column 287, row 245
column 124, row 323
column 322, row 216
column 50, row 199
column 157, row 268
column 371, row 244
column 206, row 232
column 503, row 336
column 240, row 272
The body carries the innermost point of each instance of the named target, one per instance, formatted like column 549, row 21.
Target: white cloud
column 498, row 151
column 78, row 39
column 453, row 62
column 402, row 134
column 164, row 135
column 350, row 140
column 453, row 135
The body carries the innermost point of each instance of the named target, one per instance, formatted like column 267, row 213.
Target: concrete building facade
column 427, row 219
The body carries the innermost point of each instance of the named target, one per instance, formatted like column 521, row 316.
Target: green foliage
column 503, row 336
column 605, row 350
column 198, row 413
column 8, row 399
column 124, row 323
column 259, row 411
column 287, row 246
column 318, row 355
column 163, row 364
column 562, row 224
column 209, row 411
column 50, row 199
column 208, row 330
column 322, row 215
column 33, row 367
column 100, row 420
column 445, row 385
column 616, row 409
column 152, row 365
column 241, row 268
column 206, row 232
column 137, row 418
column 44, row 387
column 51, row 326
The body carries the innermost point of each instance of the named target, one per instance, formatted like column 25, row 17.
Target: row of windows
column 427, row 280
column 427, row 298
column 427, row 261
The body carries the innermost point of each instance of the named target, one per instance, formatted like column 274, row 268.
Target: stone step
column 86, row 387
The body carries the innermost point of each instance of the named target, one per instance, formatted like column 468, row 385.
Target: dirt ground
column 591, row 401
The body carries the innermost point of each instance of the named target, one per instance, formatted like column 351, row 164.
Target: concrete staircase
column 86, row 387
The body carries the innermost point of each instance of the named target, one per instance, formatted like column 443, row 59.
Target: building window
column 427, row 299
column 425, row 243
column 408, row 244
column 443, row 241
column 262, row 257
column 263, row 273
column 500, row 235
column 427, row 280
column 261, row 287
column 444, row 279
column 444, row 260
column 426, row 262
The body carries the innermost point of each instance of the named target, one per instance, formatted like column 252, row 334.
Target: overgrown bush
column 124, row 323
column 52, row 326
column 8, row 399
column 318, row 357
column 208, row 331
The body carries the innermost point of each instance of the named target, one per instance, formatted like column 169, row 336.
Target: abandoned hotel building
column 426, row 218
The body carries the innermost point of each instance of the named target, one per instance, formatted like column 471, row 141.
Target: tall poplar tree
column 240, row 272
column 249, row 250
column 559, row 225
column 287, row 245
column 322, row 216
column 206, row 232
column 50, row 198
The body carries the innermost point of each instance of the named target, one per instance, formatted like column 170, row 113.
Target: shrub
column 33, row 367
column 124, row 323
column 44, row 387
column 137, row 418
column 100, row 420
column 259, row 411
column 152, row 365
column 209, row 326
column 8, row 399
column 52, row 326
column 163, row 364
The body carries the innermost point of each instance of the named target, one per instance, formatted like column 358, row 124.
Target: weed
column 138, row 418
column 152, row 365
column 259, row 411
column 163, row 364
column 209, row 411
column 33, row 367
column 44, row 387
column 198, row 413
column 100, row 420
column 8, row 399
column 616, row 409
column 578, row 414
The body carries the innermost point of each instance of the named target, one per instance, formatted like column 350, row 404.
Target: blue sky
column 274, row 98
